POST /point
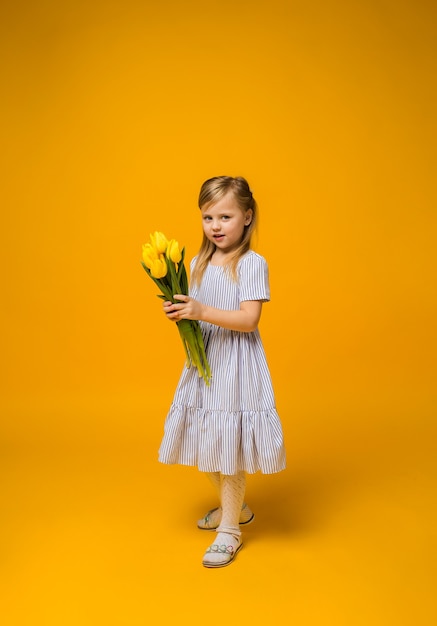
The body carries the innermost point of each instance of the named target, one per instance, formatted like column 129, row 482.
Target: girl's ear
column 248, row 219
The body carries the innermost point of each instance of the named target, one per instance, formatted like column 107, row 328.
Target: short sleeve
column 253, row 278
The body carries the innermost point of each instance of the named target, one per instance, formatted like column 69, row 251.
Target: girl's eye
column 207, row 218
column 225, row 217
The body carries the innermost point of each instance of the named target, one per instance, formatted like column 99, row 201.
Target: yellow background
column 113, row 115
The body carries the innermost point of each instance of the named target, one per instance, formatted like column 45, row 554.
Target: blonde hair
column 213, row 190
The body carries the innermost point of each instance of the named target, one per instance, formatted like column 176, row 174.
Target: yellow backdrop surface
column 113, row 114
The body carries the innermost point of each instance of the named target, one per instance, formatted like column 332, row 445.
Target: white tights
column 231, row 490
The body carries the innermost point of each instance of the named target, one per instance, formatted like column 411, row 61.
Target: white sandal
column 212, row 519
column 228, row 552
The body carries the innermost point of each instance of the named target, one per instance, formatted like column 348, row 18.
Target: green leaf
column 183, row 280
column 175, row 286
column 181, row 263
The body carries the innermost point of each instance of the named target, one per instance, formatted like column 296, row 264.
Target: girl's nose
column 216, row 226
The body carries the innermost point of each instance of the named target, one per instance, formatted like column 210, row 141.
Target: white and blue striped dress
column 232, row 425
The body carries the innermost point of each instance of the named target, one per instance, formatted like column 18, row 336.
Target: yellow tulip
column 158, row 268
column 149, row 255
column 159, row 241
column 173, row 251
column 160, row 257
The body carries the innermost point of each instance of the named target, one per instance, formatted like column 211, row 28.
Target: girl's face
column 224, row 222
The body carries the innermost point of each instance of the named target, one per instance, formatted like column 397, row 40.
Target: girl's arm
column 244, row 320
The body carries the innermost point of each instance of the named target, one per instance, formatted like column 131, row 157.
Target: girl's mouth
column 218, row 237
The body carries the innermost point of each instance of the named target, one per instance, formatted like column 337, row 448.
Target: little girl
column 231, row 427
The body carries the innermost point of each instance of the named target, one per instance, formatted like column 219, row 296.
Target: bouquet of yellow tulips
column 164, row 263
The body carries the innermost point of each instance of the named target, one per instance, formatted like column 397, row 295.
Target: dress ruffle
column 223, row 441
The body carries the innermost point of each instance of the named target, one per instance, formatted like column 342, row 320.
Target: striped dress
column 232, row 425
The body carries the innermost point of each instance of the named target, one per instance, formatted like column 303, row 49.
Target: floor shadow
column 289, row 505
column 310, row 492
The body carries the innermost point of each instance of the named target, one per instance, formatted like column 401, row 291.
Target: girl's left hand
column 188, row 309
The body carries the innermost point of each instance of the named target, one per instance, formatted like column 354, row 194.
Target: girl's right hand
column 185, row 309
column 168, row 309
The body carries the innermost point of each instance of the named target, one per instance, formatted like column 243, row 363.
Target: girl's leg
column 232, row 498
column 213, row 518
column 228, row 540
